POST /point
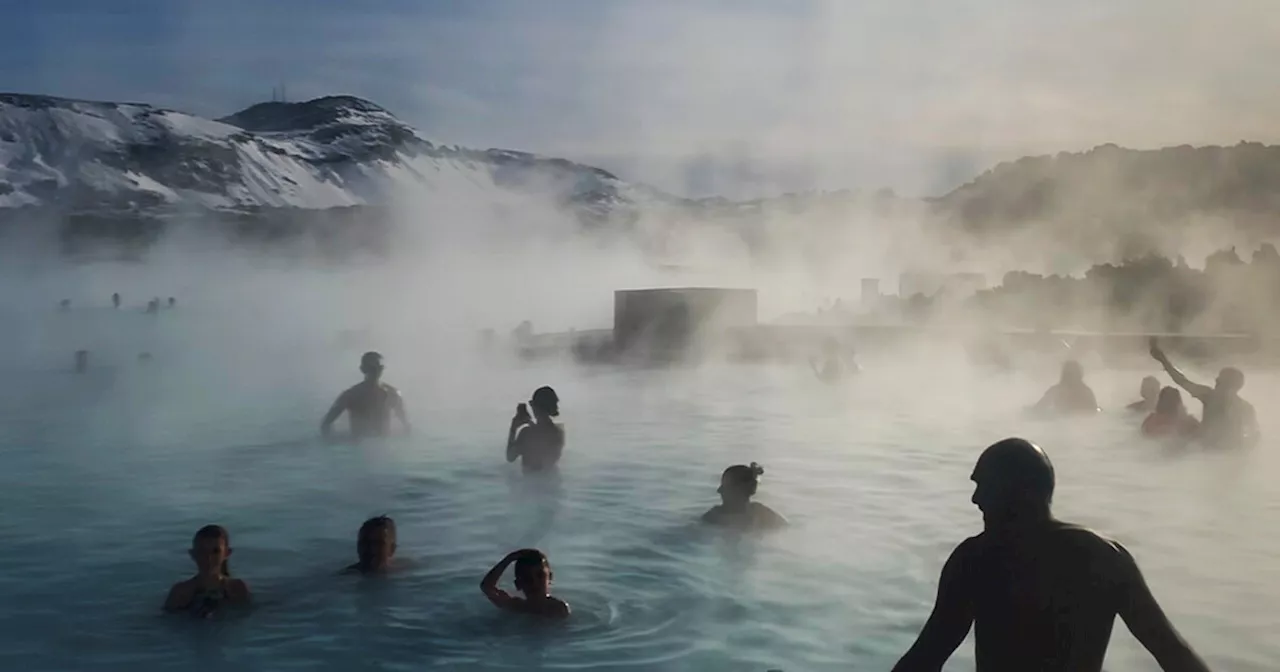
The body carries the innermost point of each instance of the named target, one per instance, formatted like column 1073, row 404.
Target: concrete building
column 668, row 320
column 870, row 291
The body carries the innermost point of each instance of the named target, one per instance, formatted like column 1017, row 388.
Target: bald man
column 1041, row 594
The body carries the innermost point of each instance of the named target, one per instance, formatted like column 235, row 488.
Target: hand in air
column 1153, row 346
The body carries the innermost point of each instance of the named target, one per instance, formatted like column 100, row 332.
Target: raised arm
column 1149, row 625
column 950, row 621
column 339, row 405
column 518, row 421
column 489, row 584
column 1193, row 388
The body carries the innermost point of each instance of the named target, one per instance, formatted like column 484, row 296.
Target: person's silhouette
column 1040, row 594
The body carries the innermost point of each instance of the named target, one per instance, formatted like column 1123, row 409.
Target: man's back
column 1046, row 598
column 369, row 405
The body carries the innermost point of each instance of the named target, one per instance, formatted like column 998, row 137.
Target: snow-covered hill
column 323, row 153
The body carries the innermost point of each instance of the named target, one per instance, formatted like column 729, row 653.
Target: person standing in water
column 1041, row 594
column 1070, row 395
column 375, row 546
column 533, row 578
column 115, row 300
column 1170, row 417
column 538, row 441
column 738, row 484
column 1227, row 419
column 212, row 587
column 368, row 404
column 1149, row 392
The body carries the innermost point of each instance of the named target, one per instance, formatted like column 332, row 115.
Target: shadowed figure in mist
column 212, row 588
column 1227, row 419
column 82, row 361
column 1170, row 418
column 533, row 578
column 1070, row 396
column 1041, row 594
column 115, row 300
column 375, row 546
column 64, row 305
column 738, row 484
column 1149, row 391
column 368, row 404
column 537, row 441
column 833, row 365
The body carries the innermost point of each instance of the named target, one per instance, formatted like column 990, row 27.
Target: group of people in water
column 81, row 357
column 1040, row 593
column 535, row 439
column 1227, row 420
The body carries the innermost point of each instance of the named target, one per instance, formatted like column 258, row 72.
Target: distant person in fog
column 1170, row 417
column 64, row 304
column 1070, row 395
column 1227, row 420
column 1041, row 595
column 375, row 546
column 153, row 306
column 368, row 404
column 212, row 588
column 115, row 300
column 173, row 302
column 537, row 440
column 1149, row 392
column 533, row 578
column 738, row 484
column 82, row 361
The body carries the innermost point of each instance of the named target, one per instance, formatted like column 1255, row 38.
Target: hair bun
column 757, row 469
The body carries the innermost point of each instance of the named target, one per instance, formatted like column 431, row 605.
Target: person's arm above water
column 397, row 407
column 179, row 597
column 336, row 410
column 950, row 621
column 489, row 584
column 1195, row 389
column 1148, row 623
column 521, row 419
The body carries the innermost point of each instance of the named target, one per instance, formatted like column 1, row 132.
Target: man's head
column 545, row 401
column 1150, row 388
column 1072, row 372
column 1230, row 380
column 371, row 364
column 1014, row 480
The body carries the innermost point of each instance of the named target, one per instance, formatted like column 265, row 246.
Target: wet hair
column 1072, row 369
column 743, row 476
column 1232, row 377
column 370, row 362
column 529, row 559
column 1019, row 469
column 544, row 398
column 1170, row 400
column 366, row 532
column 215, row 533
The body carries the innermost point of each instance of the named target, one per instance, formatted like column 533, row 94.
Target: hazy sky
column 732, row 96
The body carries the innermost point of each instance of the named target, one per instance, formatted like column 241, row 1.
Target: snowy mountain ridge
column 328, row 152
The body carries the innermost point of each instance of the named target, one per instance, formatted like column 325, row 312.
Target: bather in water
column 1040, row 594
column 533, row 578
column 1070, row 396
column 1170, row 417
column 538, row 441
column 738, row 485
column 1227, row 420
column 212, row 588
column 1149, row 391
column 368, row 404
column 375, row 546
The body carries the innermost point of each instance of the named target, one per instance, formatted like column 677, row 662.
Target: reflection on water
column 104, row 479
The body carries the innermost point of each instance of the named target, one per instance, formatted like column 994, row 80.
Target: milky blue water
column 104, row 477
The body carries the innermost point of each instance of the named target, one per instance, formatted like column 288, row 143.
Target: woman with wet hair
column 212, row 588
column 537, row 441
column 1170, row 418
column 375, row 546
column 738, row 484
